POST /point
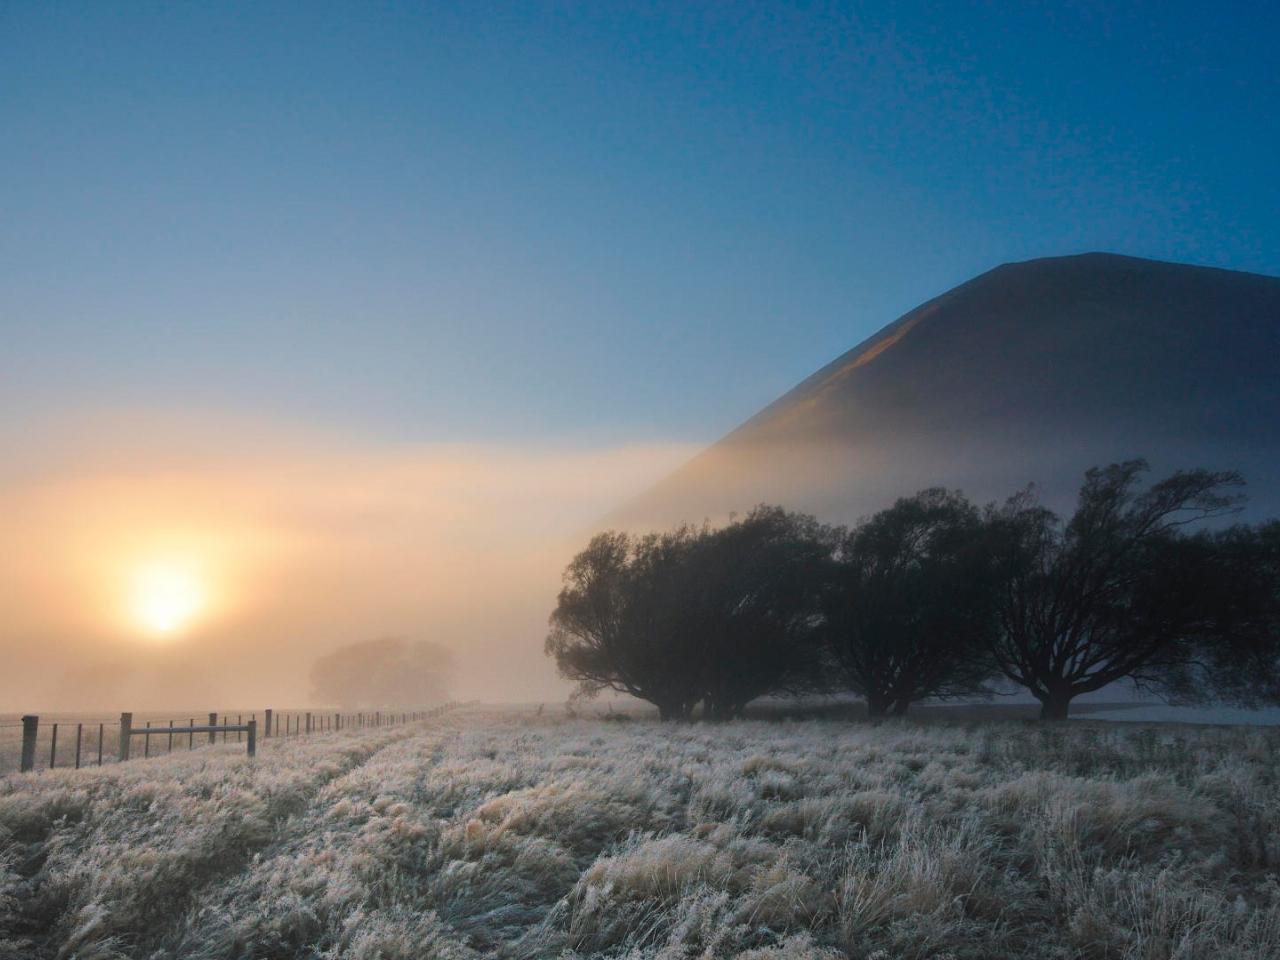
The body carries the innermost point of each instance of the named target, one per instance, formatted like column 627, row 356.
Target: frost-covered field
column 500, row 834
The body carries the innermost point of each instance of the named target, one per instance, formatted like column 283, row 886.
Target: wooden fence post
column 213, row 722
column 30, row 724
column 126, row 734
column 53, row 748
column 308, row 723
column 79, row 734
column 253, row 737
column 266, row 724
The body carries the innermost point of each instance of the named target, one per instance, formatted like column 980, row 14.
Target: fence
column 95, row 741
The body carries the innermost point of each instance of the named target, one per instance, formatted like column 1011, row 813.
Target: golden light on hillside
column 166, row 596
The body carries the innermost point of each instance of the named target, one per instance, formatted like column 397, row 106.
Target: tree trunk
column 722, row 711
column 877, row 706
column 668, row 712
column 900, row 707
column 1055, row 705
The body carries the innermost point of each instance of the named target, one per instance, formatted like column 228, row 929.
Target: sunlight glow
column 166, row 596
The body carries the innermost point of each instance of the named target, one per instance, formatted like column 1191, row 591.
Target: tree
column 909, row 604
column 717, row 617
column 621, row 620
column 754, row 607
column 388, row 672
column 1121, row 591
column 1237, row 662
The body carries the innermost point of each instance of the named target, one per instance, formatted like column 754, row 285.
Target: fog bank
column 289, row 547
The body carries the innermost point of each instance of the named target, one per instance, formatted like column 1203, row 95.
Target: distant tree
column 384, row 672
column 754, row 607
column 1121, row 591
column 622, row 619
column 909, row 605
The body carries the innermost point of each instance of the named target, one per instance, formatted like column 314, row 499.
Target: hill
column 1030, row 372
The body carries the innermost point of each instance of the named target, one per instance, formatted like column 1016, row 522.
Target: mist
column 299, row 545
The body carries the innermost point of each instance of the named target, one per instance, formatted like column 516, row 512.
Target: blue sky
column 577, row 222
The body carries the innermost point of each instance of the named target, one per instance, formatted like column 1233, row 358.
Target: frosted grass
column 513, row 835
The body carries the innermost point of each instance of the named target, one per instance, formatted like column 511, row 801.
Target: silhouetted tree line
column 935, row 598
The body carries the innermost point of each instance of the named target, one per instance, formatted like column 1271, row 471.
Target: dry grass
column 513, row 836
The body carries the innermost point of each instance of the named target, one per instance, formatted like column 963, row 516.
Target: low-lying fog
column 217, row 572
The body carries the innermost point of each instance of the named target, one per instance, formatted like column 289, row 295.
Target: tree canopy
column 696, row 615
column 1119, row 591
column 909, row 605
column 934, row 599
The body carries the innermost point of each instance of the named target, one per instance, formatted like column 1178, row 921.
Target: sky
column 285, row 251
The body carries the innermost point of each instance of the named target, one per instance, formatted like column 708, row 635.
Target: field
column 489, row 833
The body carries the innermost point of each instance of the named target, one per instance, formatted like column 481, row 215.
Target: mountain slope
column 1028, row 373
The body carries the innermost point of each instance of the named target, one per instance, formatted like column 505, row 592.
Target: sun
column 166, row 596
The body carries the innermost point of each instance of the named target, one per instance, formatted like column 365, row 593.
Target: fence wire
column 75, row 741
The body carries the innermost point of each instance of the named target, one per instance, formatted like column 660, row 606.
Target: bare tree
column 1115, row 593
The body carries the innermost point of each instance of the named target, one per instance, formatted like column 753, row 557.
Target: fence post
column 213, row 722
column 30, row 724
column 253, row 737
column 377, row 719
column 308, row 723
column 266, row 724
column 126, row 734
column 79, row 734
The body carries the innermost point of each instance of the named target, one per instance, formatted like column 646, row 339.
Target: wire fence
column 35, row 743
